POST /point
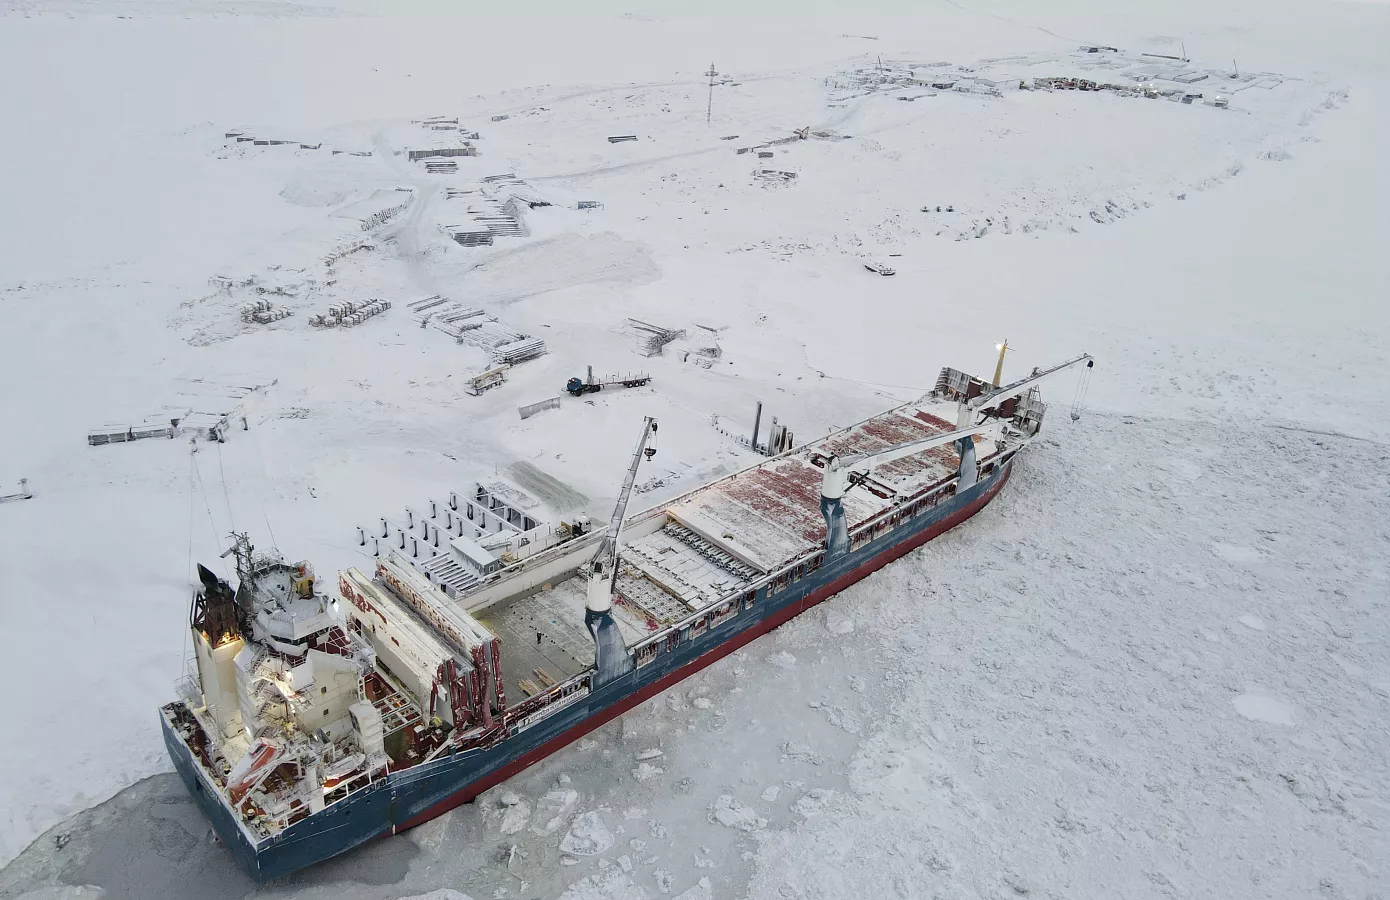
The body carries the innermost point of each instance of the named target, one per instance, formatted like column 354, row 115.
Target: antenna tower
column 709, row 106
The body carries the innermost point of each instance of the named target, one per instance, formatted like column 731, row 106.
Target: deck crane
column 971, row 406
column 845, row 472
column 601, row 572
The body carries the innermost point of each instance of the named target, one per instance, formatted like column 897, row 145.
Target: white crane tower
column 602, row 570
column 844, row 472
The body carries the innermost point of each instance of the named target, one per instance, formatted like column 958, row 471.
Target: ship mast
column 999, row 367
column 241, row 549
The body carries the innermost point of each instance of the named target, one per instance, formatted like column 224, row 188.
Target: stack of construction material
column 473, row 234
column 441, row 153
column 263, row 311
column 518, row 351
column 651, row 339
column 350, row 313
column 454, row 320
column 436, row 166
column 113, row 434
column 470, row 325
column 773, row 176
column 422, row 307
column 494, row 215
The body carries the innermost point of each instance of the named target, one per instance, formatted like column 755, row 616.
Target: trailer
column 578, row 387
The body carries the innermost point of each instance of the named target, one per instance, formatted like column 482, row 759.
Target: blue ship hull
column 412, row 796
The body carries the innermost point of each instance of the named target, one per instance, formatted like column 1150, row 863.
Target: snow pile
column 1258, row 706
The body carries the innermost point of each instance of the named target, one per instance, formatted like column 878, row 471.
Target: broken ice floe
column 587, row 836
column 813, row 801
column 699, row 891
column 515, row 817
column 837, row 622
column 732, row 814
column 646, row 770
column 552, row 809
column 782, row 660
column 801, row 753
column 609, row 884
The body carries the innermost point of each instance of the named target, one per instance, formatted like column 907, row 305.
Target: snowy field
column 1157, row 666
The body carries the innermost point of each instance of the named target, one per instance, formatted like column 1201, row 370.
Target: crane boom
column 968, row 407
column 1023, row 384
column 839, row 470
column 603, row 567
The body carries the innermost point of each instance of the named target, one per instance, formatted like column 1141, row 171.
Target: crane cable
column 222, row 474
column 1083, row 384
column 202, row 488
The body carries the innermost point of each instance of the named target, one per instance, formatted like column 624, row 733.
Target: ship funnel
column 208, row 578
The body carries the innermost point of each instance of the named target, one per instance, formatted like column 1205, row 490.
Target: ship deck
column 715, row 542
column 544, row 639
column 768, row 515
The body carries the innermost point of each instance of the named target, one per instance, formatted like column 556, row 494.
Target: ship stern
column 206, row 795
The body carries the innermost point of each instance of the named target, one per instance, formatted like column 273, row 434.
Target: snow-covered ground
column 1156, row 666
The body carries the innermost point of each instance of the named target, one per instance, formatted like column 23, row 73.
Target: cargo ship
column 315, row 718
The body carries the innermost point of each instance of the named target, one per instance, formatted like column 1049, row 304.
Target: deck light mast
column 999, row 368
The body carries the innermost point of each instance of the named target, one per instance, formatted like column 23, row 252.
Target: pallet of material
column 430, row 302
column 518, row 351
column 125, row 434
